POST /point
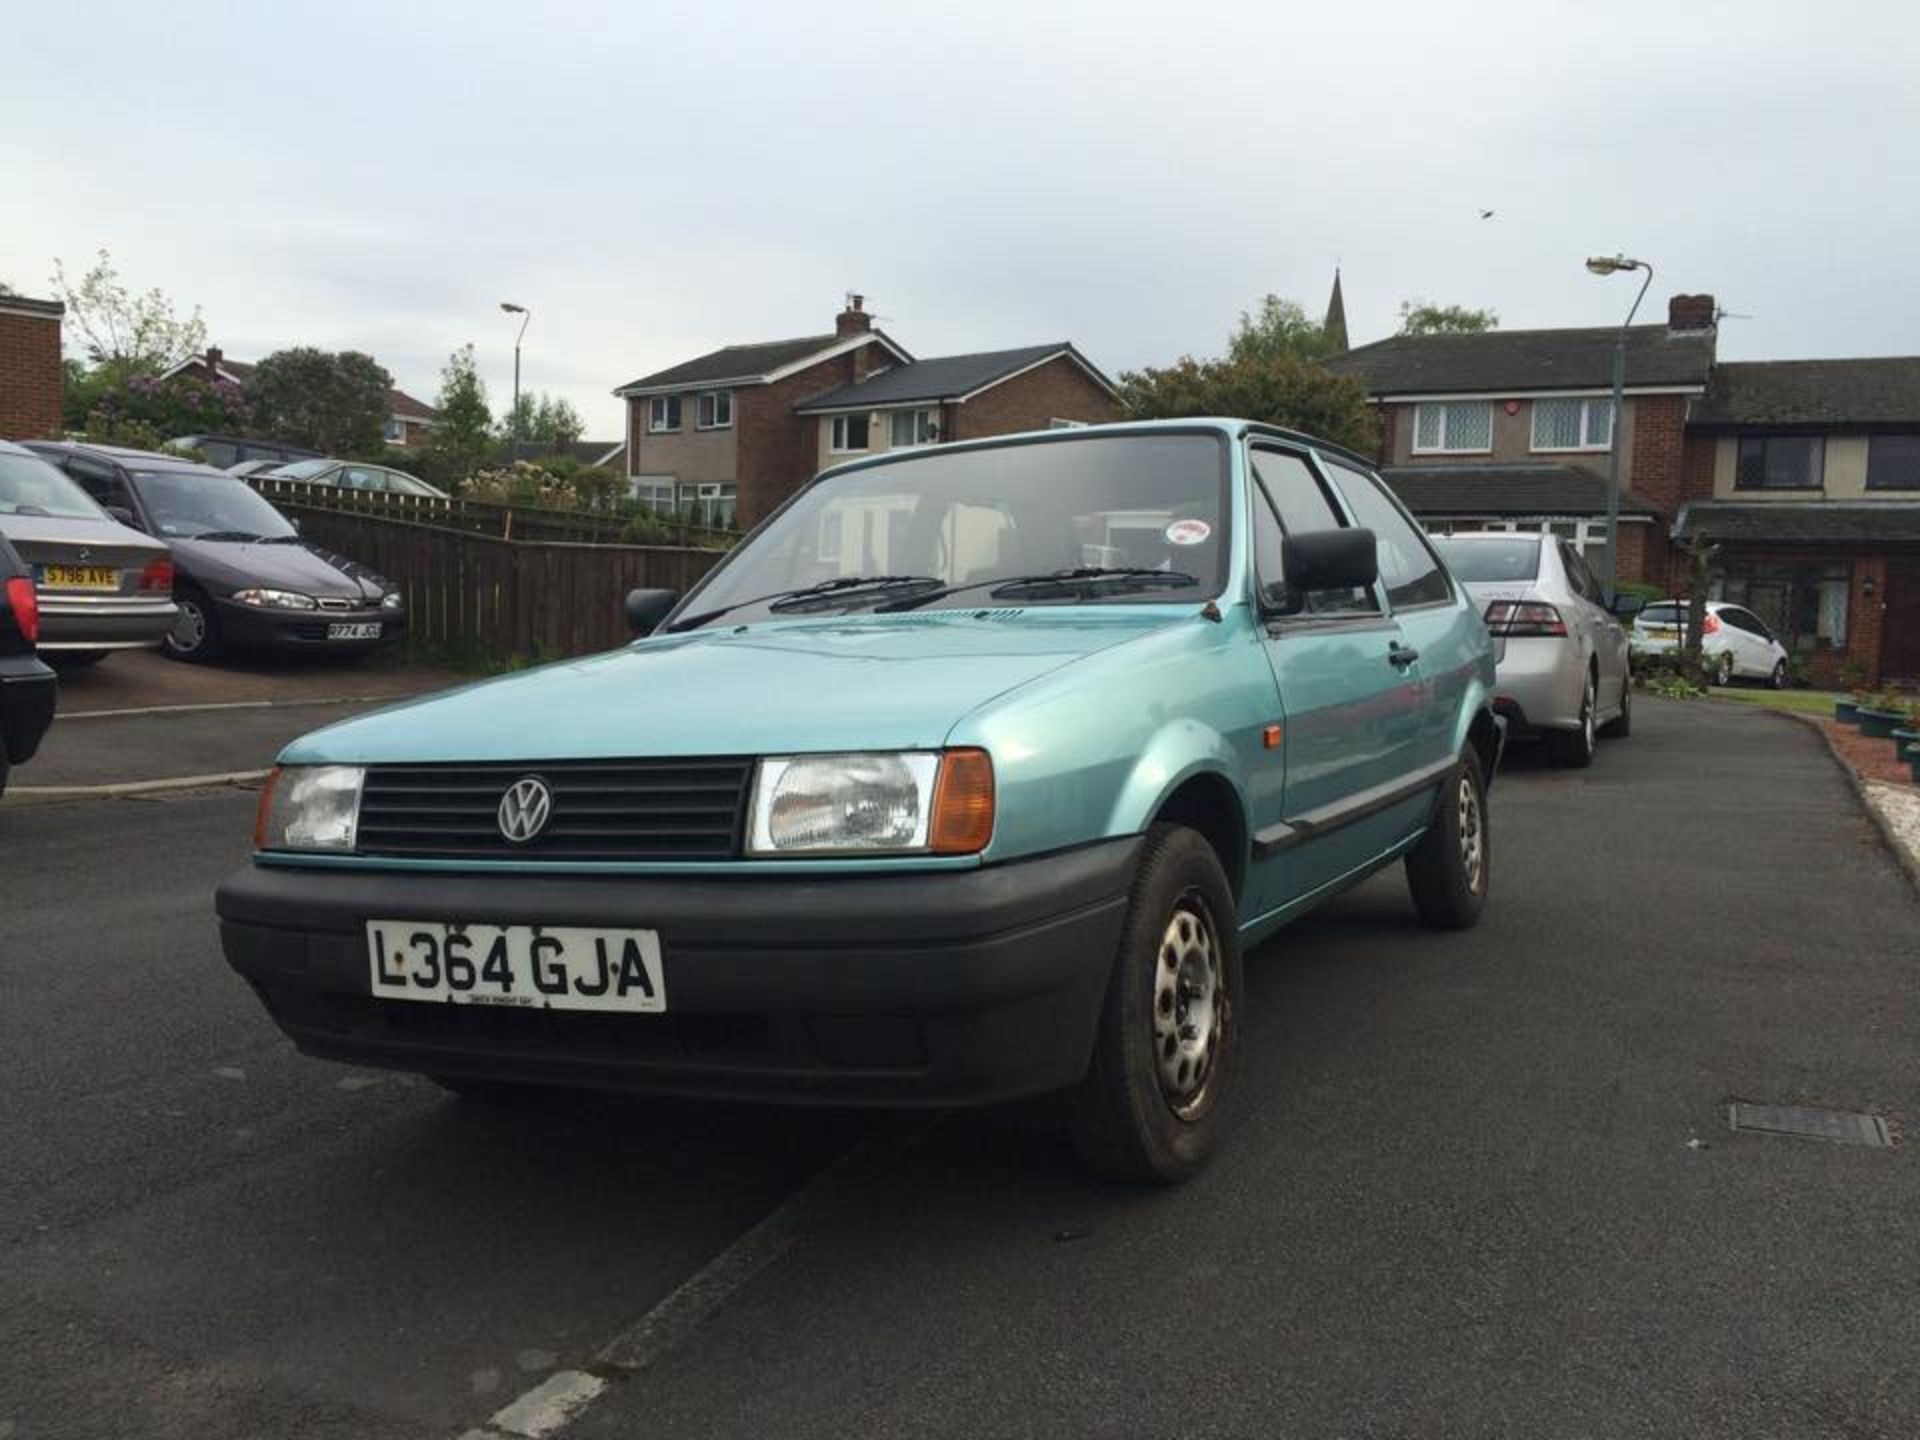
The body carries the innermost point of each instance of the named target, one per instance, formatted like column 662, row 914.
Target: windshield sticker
column 1188, row 532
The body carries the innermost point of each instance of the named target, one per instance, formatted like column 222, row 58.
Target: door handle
column 1401, row 655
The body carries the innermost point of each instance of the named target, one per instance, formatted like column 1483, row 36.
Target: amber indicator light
column 962, row 803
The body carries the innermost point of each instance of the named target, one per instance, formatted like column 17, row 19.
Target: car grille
column 602, row 810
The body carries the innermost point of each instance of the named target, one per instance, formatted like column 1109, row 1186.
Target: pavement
column 1483, row 1183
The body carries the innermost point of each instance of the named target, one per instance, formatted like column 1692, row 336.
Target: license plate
column 80, row 577
column 555, row 967
column 366, row 631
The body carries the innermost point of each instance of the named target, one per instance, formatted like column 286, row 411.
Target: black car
column 243, row 577
column 27, row 687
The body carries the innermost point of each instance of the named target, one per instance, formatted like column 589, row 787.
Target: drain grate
column 1842, row 1127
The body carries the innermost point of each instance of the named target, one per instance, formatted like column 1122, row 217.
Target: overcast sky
column 655, row 181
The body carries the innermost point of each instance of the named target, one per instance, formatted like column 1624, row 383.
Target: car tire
column 1723, row 670
column 1778, row 679
column 1159, row 1091
column 1449, row 870
column 1621, row 726
column 195, row 635
column 1574, row 748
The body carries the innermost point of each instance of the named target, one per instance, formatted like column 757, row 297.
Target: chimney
column 1690, row 312
column 853, row 320
column 214, row 357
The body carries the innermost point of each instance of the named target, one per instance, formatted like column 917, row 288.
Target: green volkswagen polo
column 970, row 775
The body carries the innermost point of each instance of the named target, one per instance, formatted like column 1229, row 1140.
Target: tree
column 124, row 333
column 1279, row 389
column 543, row 419
column 336, row 403
column 148, row 404
column 1280, row 328
column 1419, row 317
column 463, row 439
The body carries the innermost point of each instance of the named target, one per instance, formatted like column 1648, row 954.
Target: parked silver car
column 1561, row 655
column 353, row 475
column 101, row 585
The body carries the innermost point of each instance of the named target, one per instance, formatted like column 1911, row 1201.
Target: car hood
column 226, row 565
column 866, row 682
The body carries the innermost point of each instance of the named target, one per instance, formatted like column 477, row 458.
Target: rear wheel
column 1448, row 871
column 196, row 630
column 1155, row 1101
column 1575, row 747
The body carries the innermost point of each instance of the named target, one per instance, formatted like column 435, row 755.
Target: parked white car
column 1737, row 642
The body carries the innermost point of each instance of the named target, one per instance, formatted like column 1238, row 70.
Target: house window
column 716, row 410
column 907, row 428
column 663, row 414
column 655, row 491
column 1573, row 424
column 1805, row 605
column 1893, row 462
column 1780, row 462
column 711, row 504
column 1453, row 427
column 849, row 433
column 395, row 431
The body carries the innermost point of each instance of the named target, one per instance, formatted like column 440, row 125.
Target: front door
column 1900, row 627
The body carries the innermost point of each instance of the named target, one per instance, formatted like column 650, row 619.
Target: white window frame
column 394, row 432
column 656, row 492
column 925, row 429
column 713, row 401
column 1591, row 406
column 1443, row 448
column 659, row 407
column 837, row 434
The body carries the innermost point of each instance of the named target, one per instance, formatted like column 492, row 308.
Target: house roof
column 1818, row 522
column 398, row 401
column 1877, row 391
column 946, row 377
column 12, row 304
column 1504, row 361
column 753, row 363
column 1513, row 489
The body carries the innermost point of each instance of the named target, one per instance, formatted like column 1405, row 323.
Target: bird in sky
column 1486, row 214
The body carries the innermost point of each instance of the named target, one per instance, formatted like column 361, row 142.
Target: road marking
column 563, row 1396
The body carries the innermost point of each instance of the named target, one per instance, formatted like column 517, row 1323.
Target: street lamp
column 525, row 315
column 1608, row 265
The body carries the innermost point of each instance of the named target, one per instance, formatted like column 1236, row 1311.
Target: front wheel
column 1723, row 671
column 1779, row 677
column 1575, row 747
column 1155, row 1101
column 1448, row 871
column 1621, row 725
column 196, row 630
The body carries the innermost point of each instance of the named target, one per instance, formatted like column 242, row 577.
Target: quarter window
column 850, row 432
column 716, row 410
column 1573, row 424
column 1780, row 462
column 1893, row 462
column 907, row 428
column 1462, row 426
column 1408, row 566
column 663, row 414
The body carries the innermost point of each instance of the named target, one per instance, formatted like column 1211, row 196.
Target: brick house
column 1509, row 429
column 1806, row 476
column 731, row 434
column 408, row 419
column 31, row 380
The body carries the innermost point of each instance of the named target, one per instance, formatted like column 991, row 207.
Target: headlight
column 275, row 599
column 392, row 600
column 909, row 802
column 310, row 807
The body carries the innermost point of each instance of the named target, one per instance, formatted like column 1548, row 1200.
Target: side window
column 1296, row 504
column 1740, row 620
column 1408, row 567
column 103, row 484
column 1581, row 578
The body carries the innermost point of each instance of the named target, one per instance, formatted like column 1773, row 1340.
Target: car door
column 1753, row 648
column 1607, row 637
column 1348, row 708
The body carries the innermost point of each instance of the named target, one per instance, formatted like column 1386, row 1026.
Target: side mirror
column 1329, row 560
column 1625, row 607
column 647, row 608
column 123, row 515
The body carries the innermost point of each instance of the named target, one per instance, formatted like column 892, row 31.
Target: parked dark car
column 226, row 451
column 103, row 586
column 244, row 579
column 27, row 687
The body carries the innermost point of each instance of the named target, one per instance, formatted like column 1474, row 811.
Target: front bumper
column 924, row 988
column 28, row 693
column 1540, row 682
column 266, row 627
column 105, row 623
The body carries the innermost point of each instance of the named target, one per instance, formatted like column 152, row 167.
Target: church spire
column 1335, row 325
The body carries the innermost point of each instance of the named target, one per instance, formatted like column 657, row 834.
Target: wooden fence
column 471, row 592
column 506, row 522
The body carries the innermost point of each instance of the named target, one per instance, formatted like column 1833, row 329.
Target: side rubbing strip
column 1371, row 801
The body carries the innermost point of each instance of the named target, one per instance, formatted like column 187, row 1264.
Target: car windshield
column 30, row 486
column 299, row 469
column 186, row 504
column 1488, row 561
column 1666, row 614
column 1153, row 505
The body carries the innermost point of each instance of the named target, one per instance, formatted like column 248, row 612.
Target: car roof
column 7, row 447
column 122, row 455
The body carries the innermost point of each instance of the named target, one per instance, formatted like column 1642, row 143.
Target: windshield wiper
column 1079, row 582
column 244, row 536
column 785, row 600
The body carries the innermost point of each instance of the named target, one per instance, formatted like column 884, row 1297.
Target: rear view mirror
column 1628, row 606
column 647, row 608
column 1329, row 560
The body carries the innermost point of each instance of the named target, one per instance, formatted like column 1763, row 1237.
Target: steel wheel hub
column 1189, row 1005
column 1473, row 844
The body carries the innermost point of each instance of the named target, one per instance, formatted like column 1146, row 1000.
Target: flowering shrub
column 181, row 405
column 522, row 483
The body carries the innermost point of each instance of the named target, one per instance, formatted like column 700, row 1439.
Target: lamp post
column 525, row 315
column 1608, row 265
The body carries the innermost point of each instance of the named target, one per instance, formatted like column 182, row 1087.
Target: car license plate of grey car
column 555, row 967
column 365, row 630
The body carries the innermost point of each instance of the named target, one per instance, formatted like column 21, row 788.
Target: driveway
column 1483, row 1184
